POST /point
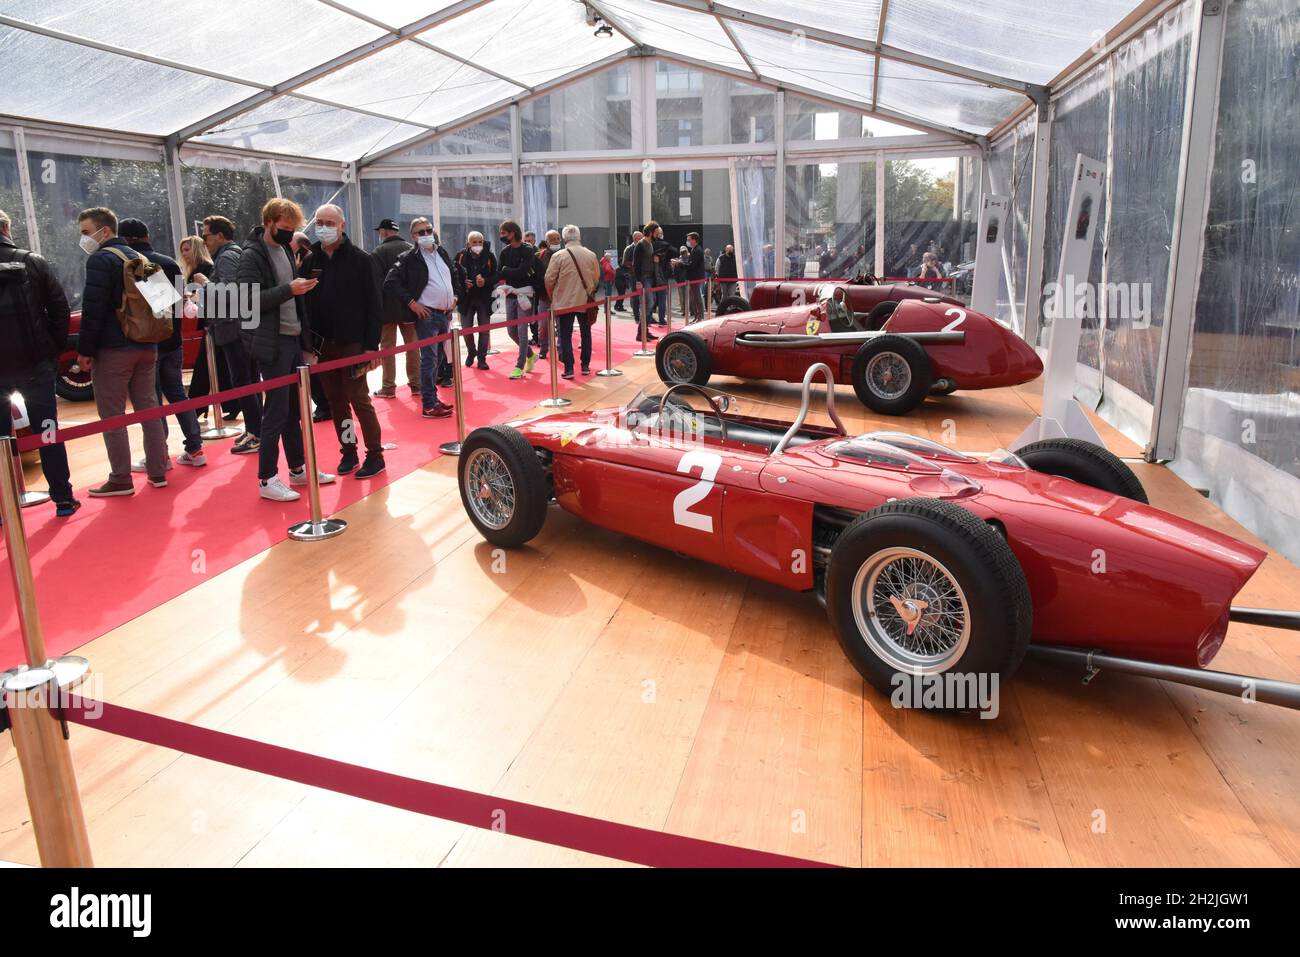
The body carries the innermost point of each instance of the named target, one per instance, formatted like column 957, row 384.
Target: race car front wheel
column 1084, row 462
column 731, row 304
column 503, row 486
column 892, row 374
column 682, row 357
column 921, row 587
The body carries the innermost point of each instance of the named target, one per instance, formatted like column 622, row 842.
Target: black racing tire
column 1084, row 462
column 683, row 357
column 875, row 320
column 931, row 551
column 514, row 509
column 73, row 386
column 732, row 304
column 892, row 374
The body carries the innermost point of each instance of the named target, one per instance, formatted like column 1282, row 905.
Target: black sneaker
column 348, row 463
column 322, row 415
column 566, row 374
column 246, row 444
column 482, row 364
column 66, row 509
column 469, row 360
column 373, row 466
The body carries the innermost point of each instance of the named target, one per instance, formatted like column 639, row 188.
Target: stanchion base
column 555, row 403
column 449, row 448
column 225, row 432
column 644, row 353
column 608, row 372
column 317, row 531
column 30, row 499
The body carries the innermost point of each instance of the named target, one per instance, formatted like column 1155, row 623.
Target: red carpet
column 118, row 558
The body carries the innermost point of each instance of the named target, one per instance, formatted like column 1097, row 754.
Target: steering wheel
column 692, row 387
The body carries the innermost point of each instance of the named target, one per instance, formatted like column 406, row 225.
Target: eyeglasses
column 424, row 232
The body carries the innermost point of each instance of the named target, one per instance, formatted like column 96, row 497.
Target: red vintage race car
column 863, row 294
column 73, row 383
column 927, row 560
column 893, row 356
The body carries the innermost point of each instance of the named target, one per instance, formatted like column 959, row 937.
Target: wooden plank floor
column 592, row 673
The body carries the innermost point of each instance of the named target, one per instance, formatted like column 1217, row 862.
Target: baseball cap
column 387, row 224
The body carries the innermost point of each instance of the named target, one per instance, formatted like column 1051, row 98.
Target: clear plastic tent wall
column 1240, row 436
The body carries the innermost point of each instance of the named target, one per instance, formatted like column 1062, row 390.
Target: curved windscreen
column 917, row 444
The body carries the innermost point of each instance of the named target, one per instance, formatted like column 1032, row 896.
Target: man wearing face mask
column 543, row 308
column 396, row 317
column 479, row 267
column 120, row 368
column 279, row 339
column 346, row 311
column 426, row 282
column 515, row 275
column 301, row 249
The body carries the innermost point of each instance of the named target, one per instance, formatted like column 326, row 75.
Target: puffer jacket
column 100, row 328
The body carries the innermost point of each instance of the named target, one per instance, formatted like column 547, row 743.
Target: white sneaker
column 142, row 466
column 299, row 477
column 277, row 491
column 195, row 459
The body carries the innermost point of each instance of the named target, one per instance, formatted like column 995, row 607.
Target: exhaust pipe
column 1282, row 693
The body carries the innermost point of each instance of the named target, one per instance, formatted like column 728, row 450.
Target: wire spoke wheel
column 491, row 491
column 680, row 362
column 911, row 611
column 888, row 375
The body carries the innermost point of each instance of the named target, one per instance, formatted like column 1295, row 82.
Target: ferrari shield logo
column 813, row 325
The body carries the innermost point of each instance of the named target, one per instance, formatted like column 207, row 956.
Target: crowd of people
column 278, row 299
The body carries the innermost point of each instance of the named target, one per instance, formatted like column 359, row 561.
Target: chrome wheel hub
column 680, row 362
column 493, row 495
column 911, row 611
column 888, row 375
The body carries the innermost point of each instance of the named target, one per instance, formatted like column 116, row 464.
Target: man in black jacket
column 396, row 316
column 346, row 311
column 221, row 314
column 516, row 266
column 479, row 269
column 694, row 269
column 34, row 319
column 170, row 353
column 426, row 281
column 279, row 339
column 119, row 367
column 726, row 269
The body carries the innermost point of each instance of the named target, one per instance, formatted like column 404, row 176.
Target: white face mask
column 476, row 248
column 328, row 235
column 89, row 243
column 426, row 242
column 555, row 247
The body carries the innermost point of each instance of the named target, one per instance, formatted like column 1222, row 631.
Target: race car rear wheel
column 924, row 587
column 1084, row 462
column 682, row 357
column 503, row 486
column 892, row 375
column 733, row 303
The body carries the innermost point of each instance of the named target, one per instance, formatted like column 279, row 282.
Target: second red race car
column 893, row 356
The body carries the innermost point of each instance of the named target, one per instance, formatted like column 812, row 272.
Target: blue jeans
column 435, row 325
column 37, row 388
column 515, row 309
column 172, row 389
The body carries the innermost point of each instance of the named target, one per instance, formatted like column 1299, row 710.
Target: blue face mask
column 427, row 242
column 328, row 235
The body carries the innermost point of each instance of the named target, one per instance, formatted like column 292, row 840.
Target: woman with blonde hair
column 194, row 257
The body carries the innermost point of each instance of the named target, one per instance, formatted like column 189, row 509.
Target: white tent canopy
column 345, row 80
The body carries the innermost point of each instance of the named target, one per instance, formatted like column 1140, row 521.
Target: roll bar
column 795, row 426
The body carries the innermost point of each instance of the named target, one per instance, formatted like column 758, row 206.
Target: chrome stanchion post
column 453, row 448
column 25, row 498
column 708, row 298
column 555, row 401
column 645, row 349
column 609, row 344
column 29, row 691
column 215, row 429
column 318, row 527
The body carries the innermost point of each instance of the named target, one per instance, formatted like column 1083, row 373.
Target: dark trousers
column 171, row 388
column 199, row 384
column 477, row 313
column 319, row 397
column 243, row 372
column 280, row 420
column 349, row 398
column 37, row 388
column 564, row 329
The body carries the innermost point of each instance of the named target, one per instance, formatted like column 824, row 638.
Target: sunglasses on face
column 424, row 232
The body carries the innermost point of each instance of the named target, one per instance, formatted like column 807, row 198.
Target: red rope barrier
column 579, row 832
